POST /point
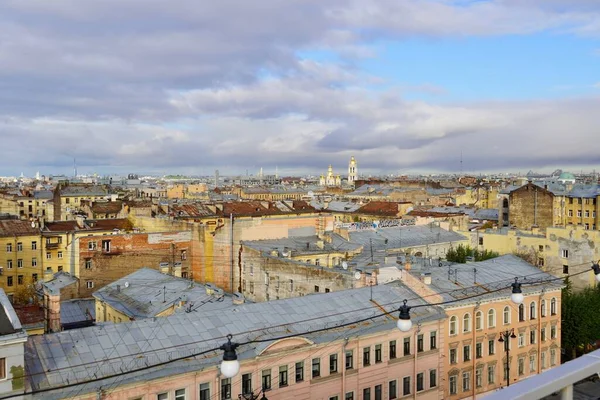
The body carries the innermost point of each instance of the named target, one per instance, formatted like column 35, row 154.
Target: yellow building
column 67, row 198
column 20, row 255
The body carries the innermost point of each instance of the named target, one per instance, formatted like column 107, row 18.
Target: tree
column 25, row 294
column 580, row 325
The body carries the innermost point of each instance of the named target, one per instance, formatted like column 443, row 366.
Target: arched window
column 453, row 323
column 532, row 310
column 491, row 318
column 553, row 306
column 467, row 322
column 543, row 308
column 478, row 320
column 521, row 312
column 506, row 315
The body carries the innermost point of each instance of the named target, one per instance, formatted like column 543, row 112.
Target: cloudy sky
column 404, row 85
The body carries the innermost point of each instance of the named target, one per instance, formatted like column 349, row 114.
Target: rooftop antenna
column 74, row 168
column 474, row 275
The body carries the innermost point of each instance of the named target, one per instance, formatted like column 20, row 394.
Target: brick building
column 531, row 206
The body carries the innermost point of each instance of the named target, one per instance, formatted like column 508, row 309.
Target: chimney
column 320, row 244
column 118, row 288
column 426, row 278
column 164, row 268
column 238, row 298
column 407, row 265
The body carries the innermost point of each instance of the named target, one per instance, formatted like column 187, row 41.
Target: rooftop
column 76, row 355
column 11, row 227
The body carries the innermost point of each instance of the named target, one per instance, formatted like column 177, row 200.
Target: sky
column 406, row 86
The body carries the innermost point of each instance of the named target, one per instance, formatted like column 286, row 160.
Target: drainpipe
column 343, row 366
column 415, row 360
column 539, row 346
column 474, row 348
column 231, row 255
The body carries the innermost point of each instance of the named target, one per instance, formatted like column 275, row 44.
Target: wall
column 27, row 255
column 530, row 206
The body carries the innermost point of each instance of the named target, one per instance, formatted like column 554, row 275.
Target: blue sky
column 403, row 85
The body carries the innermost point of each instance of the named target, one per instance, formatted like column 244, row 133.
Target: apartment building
column 21, row 256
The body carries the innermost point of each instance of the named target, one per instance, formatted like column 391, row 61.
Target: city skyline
column 404, row 86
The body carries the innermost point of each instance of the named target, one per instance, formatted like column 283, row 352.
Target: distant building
column 330, row 179
column 352, row 171
column 12, row 350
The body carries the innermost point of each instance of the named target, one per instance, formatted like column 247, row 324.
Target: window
column 453, row 356
column 333, row 398
column 180, row 394
column 540, row 262
column 564, row 253
column 367, row 394
column 316, row 367
column 532, row 335
column 226, row 389
column 521, row 339
column 19, row 246
column 48, row 255
column 543, row 360
column 478, row 320
column 491, row 318
column 266, row 379
column 333, row 364
column 60, row 255
column 565, row 269
column 283, row 376
column 183, row 254
column 34, row 277
column 2, row 368
column 406, row 344
column 453, row 323
column 491, row 347
column 467, row 322
column 366, row 356
column 106, row 246
column 9, row 264
column 467, row 353
column 392, row 349
column 479, row 377
column 521, row 366
column 246, row 383
column 532, row 363
column 300, row 371
column 406, row 385
column 291, row 285
column 553, row 306
column 552, row 356
column 9, row 281
column 432, row 378
column 481, row 240
column 543, row 308
column 392, row 390
column 327, row 290
column 378, row 392
column 453, row 384
column 9, row 247
column 34, row 262
column 316, row 289
column 543, row 334
column 350, row 396
column 491, row 374
column 420, row 383
column 553, row 332
column 88, row 263
column 506, row 315
column 420, row 345
column 33, row 245
column 89, row 284
column 48, row 241
column 92, row 245
column 433, row 340
column 252, row 287
column 349, row 359
column 162, row 396
column 541, row 248
column 478, row 350
column 20, row 280
column 377, row 353
column 587, row 213
column 466, row 381
column 19, row 263
column 521, row 312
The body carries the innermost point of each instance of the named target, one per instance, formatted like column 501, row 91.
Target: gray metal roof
column 457, row 281
column 79, row 310
column 59, row 281
column 82, row 354
column 303, row 245
column 146, row 293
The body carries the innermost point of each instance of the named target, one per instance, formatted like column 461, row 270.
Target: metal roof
column 59, row 281
column 78, row 310
column 77, row 355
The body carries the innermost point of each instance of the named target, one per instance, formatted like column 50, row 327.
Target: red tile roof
column 62, row 226
column 12, row 227
column 385, row 208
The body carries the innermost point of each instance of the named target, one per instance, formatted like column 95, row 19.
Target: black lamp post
column 505, row 338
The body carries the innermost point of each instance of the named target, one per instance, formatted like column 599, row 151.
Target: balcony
column 51, row 246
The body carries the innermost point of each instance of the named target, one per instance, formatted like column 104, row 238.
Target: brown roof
column 109, row 224
column 62, row 226
column 434, row 214
column 248, row 208
column 30, row 315
column 301, row 205
column 12, row 227
column 385, row 208
column 107, row 207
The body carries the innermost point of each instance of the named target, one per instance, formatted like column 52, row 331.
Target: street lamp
column 404, row 322
column 230, row 365
column 505, row 338
column 596, row 269
column 517, row 293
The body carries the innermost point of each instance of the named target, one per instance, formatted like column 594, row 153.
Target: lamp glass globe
column 229, row 369
column 404, row 325
column 517, row 298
